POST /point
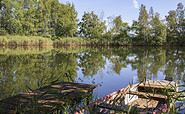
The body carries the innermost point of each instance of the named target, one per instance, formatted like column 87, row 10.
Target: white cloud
column 136, row 5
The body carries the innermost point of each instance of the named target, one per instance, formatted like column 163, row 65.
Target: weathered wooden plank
column 144, row 103
column 147, row 94
column 111, row 106
column 162, row 84
column 48, row 97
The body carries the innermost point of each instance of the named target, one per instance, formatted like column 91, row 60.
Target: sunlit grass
column 17, row 40
column 76, row 41
column 24, row 40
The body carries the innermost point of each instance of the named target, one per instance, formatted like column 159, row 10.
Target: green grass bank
column 10, row 40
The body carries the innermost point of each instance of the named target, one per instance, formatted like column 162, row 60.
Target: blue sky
column 128, row 9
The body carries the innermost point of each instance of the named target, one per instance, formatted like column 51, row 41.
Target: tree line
column 38, row 17
column 55, row 20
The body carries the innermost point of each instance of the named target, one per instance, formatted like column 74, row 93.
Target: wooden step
column 156, row 87
column 145, row 104
column 116, row 108
column 147, row 94
column 160, row 84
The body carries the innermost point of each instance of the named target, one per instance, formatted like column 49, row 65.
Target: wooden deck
column 47, row 98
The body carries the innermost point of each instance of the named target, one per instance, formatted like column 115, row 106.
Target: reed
column 10, row 40
column 82, row 41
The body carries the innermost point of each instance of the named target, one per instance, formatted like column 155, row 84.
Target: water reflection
column 33, row 67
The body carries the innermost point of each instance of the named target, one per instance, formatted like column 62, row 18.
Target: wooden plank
column 158, row 84
column 144, row 104
column 111, row 106
column 115, row 98
column 48, row 97
column 147, row 94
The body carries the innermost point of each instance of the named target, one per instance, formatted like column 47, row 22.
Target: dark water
column 111, row 68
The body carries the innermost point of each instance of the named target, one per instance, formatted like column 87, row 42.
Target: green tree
column 7, row 15
column 117, row 24
column 118, row 30
column 180, row 24
column 66, row 24
column 135, row 32
column 172, row 32
column 1, row 6
column 159, row 30
column 143, row 24
column 151, row 24
column 109, row 34
column 38, row 17
column 91, row 26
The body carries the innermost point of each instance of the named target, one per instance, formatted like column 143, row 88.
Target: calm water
column 110, row 68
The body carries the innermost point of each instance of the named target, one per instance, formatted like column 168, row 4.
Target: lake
column 111, row 68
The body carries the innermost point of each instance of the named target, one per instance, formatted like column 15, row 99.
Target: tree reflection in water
column 20, row 69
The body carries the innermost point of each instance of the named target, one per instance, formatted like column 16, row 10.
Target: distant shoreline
column 38, row 41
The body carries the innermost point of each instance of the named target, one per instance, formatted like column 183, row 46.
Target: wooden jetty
column 146, row 97
column 46, row 99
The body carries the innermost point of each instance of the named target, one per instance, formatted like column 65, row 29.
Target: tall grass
column 81, row 41
column 17, row 40
column 10, row 40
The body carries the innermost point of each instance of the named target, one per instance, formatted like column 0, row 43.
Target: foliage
column 171, row 27
column 149, row 29
column 55, row 20
column 35, row 17
column 143, row 23
column 91, row 26
column 175, row 26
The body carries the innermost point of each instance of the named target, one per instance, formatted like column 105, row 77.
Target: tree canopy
column 91, row 25
column 38, row 17
column 50, row 18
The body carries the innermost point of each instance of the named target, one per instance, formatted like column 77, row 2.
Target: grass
column 16, row 40
column 81, row 41
column 10, row 40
